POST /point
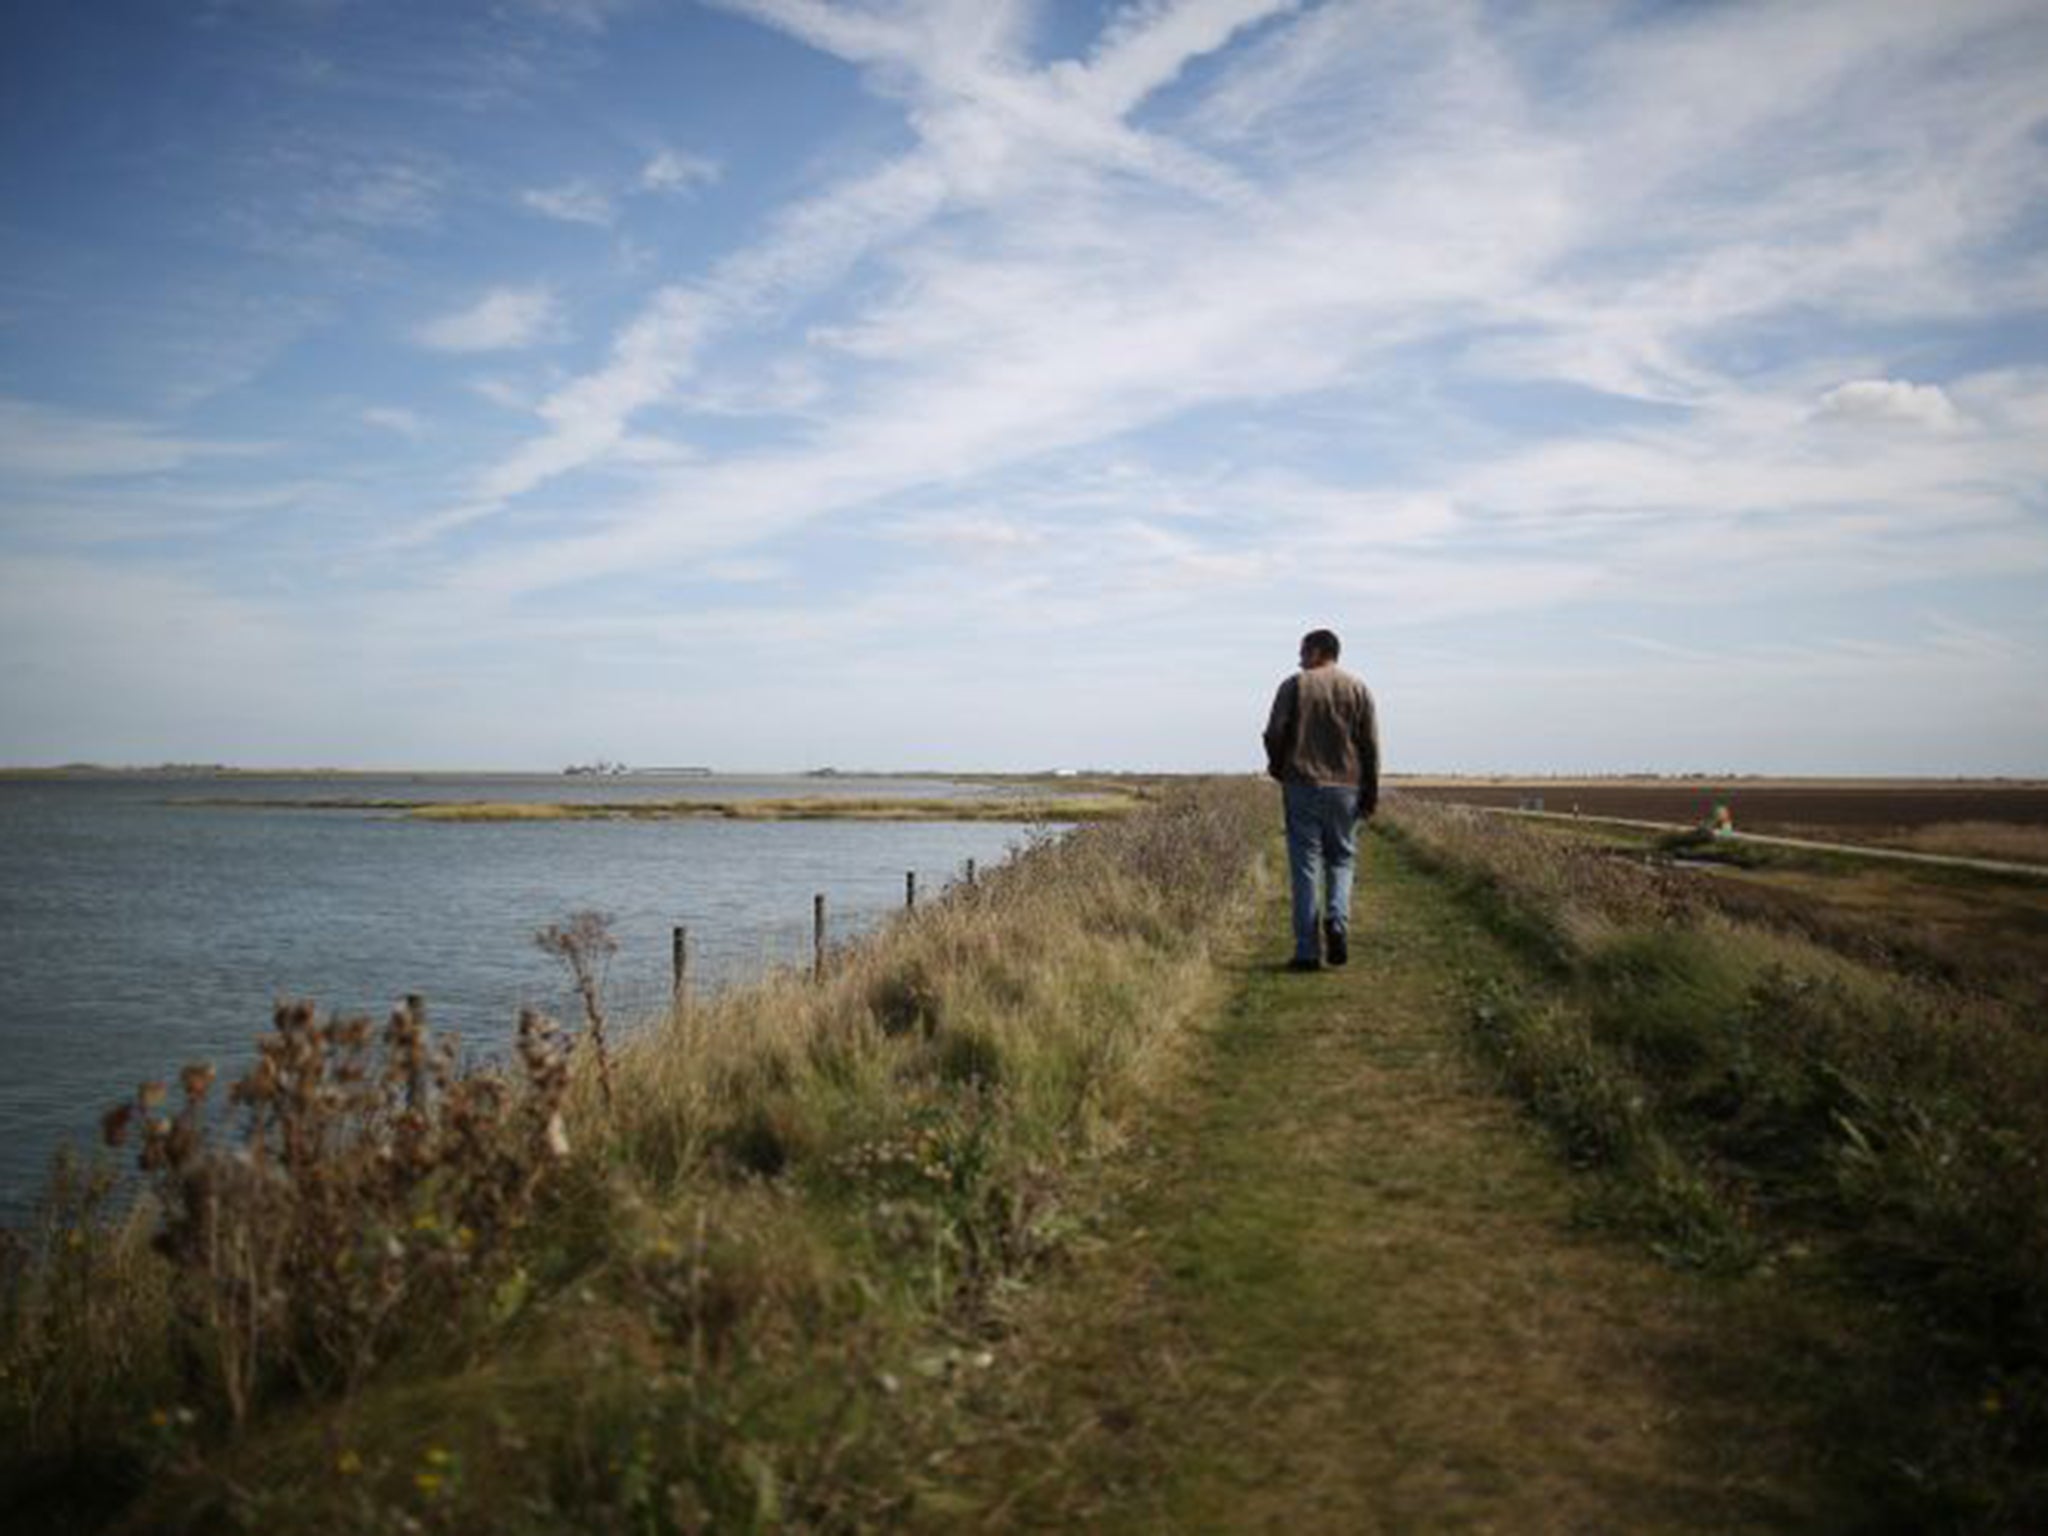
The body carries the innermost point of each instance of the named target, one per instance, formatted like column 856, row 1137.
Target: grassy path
column 1348, row 1295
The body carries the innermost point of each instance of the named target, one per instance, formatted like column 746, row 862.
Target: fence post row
column 679, row 939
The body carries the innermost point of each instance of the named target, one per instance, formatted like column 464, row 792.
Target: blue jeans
column 1322, row 841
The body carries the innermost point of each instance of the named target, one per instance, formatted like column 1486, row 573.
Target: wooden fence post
column 416, row 1083
column 970, row 871
column 818, row 935
column 679, row 954
column 910, row 890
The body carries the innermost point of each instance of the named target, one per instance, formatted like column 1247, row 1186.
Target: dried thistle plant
column 370, row 1178
column 585, row 946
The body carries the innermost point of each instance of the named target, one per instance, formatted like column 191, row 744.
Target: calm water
column 140, row 930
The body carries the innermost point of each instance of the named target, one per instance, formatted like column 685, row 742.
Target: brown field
column 1994, row 819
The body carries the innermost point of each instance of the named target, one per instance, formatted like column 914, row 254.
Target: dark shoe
column 1336, row 945
column 1300, row 964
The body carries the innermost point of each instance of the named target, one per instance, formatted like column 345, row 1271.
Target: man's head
column 1319, row 647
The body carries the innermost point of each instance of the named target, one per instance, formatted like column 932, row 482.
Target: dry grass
column 1977, row 840
column 499, row 810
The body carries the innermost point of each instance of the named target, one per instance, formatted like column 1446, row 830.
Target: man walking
column 1322, row 744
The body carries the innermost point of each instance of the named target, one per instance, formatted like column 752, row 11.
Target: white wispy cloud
column 502, row 320
column 589, row 15
column 1893, row 400
column 393, row 194
column 395, row 418
column 675, row 170
column 962, row 58
column 44, row 442
column 573, row 202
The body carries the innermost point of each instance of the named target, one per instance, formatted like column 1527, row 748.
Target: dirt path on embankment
column 1347, row 1293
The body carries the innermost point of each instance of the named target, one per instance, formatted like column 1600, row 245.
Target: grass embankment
column 728, row 1284
column 1758, row 1102
column 1344, row 1290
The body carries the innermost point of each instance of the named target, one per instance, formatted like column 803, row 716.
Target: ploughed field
column 1979, row 819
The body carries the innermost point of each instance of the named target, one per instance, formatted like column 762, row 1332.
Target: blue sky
column 1000, row 385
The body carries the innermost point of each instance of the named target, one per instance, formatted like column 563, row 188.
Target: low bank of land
column 1023, row 809
column 1022, row 801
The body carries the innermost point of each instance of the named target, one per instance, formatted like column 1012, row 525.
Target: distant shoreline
column 1061, row 776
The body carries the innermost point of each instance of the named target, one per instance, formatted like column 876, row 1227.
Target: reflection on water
column 140, row 930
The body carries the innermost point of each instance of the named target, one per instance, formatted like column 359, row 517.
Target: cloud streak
column 504, row 319
column 575, row 202
column 38, row 442
column 1057, row 276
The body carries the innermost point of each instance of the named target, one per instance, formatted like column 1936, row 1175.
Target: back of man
column 1322, row 744
column 1322, row 731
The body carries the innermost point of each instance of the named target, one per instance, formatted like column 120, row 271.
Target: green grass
column 1343, row 1289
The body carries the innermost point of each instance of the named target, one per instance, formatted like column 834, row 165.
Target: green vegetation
column 723, row 1280
column 1754, row 1099
column 1700, row 844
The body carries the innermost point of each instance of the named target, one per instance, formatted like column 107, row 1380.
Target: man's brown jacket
column 1322, row 730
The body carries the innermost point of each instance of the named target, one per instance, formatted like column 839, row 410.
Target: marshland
column 1593, row 1185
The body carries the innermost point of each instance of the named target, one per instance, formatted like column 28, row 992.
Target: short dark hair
column 1323, row 642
